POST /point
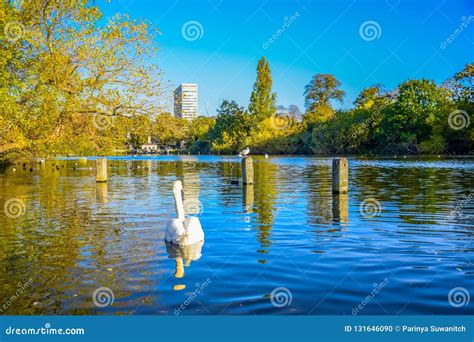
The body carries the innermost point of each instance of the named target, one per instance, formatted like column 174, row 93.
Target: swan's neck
column 178, row 200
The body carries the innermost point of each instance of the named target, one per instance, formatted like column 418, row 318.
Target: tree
column 319, row 93
column 294, row 111
column 233, row 125
column 262, row 100
column 77, row 73
column 420, row 106
column 463, row 84
column 368, row 96
column 169, row 130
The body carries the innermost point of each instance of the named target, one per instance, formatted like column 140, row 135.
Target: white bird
column 245, row 152
column 266, row 156
column 14, row 169
column 183, row 231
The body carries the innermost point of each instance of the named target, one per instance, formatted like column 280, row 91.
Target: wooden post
column 247, row 170
column 340, row 176
column 101, row 170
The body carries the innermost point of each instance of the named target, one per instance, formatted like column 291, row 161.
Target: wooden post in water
column 340, row 176
column 247, row 170
column 101, row 176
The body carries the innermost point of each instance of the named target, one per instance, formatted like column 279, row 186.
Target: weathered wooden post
column 247, row 170
column 340, row 176
column 101, row 176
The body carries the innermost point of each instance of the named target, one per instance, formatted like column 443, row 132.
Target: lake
column 401, row 241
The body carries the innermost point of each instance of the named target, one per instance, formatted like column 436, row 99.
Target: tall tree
column 262, row 100
column 319, row 93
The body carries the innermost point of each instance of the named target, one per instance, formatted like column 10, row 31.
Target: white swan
column 183, row 231
column 245, row 152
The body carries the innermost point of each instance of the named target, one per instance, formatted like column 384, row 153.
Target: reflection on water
column 183, row 255
column 71, row 236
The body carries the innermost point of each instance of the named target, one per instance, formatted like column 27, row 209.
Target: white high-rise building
column 186, row 101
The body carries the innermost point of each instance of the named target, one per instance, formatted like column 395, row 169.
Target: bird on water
column 182, row 230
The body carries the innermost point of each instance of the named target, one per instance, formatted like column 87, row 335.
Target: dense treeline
column 418, row 116
column 72, row 82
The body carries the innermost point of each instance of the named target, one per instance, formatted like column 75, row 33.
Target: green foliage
column 233, row 125
column 413, row 119
column 262, row 100
column 74, row 82
column 367, row 97
column 318, row 94
column 68, row 75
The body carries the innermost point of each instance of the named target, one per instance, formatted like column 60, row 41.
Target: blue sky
column 323, row 37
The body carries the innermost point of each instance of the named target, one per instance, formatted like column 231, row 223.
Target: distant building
column 149, row 147
column 186, row 101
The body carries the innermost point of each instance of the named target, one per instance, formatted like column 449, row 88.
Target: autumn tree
column 77, row 73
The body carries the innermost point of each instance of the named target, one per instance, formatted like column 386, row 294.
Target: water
column 287, row 234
